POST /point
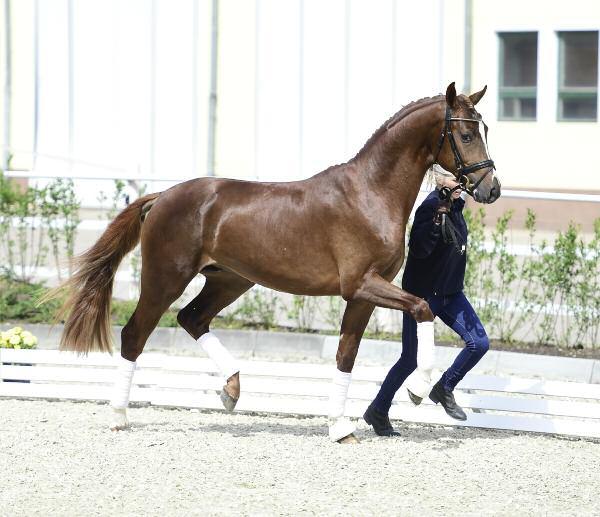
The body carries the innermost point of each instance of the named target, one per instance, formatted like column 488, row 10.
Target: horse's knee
column 345, row 359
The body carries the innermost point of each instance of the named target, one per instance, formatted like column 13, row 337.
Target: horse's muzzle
column 487, row 193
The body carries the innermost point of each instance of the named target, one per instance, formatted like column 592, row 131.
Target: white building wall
column 236, row 82
column 302, row 84
column 542, row 154
column 123, row 87
column 329, row 74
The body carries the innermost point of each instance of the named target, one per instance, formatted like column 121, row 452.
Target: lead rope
column 451, row 235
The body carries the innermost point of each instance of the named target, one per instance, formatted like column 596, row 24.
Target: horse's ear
column 451, row 94
column 476, row 97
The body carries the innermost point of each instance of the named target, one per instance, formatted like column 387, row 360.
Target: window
column 518, row 75
column 578, row 76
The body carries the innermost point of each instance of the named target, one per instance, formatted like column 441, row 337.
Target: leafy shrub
column 29, row 216
column 258, row 308
column 551, row 293
column 18, row 301
column 121, row 311
column 303, row 311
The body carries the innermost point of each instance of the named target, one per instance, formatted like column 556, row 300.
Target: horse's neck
column 397, row 164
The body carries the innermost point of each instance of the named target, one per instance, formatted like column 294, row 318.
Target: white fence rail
column 565, row 408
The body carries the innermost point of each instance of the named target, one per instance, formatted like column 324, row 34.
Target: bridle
column 464, row 182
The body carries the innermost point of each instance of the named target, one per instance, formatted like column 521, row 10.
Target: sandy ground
column 58, row 458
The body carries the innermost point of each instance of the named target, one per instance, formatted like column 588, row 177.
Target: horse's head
column 462, row 147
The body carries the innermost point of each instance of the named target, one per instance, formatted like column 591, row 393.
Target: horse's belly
column 314, row 278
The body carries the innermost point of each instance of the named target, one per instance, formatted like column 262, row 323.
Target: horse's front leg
column 373, row 288
column 354, row 322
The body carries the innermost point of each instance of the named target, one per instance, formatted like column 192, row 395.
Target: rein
column 463, row 170
column 450, row 234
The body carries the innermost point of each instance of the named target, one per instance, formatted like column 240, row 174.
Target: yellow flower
column 17, row 337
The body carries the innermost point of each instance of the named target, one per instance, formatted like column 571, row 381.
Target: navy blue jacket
column 434, row 267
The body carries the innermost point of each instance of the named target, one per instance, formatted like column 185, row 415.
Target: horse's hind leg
column 221, row 289
column 161, row 286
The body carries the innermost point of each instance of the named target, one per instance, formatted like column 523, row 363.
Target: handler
column 435, row 271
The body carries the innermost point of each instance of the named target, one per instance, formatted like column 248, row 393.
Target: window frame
column 511, row 92
column 574, row 92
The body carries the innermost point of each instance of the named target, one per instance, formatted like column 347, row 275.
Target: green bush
column 303, row 311
column 121, row 311
column 18, row 301
column 257, row 308
column 552, row 293
column 23, row 243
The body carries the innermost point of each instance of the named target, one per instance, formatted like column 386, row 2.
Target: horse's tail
column 89, row 290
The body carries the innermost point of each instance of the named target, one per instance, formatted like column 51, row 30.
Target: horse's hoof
column 415, row 399
column 228, row 401
column 351, row 438
column 119, row 421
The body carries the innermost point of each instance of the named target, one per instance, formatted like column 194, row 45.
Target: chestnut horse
column 340, row 232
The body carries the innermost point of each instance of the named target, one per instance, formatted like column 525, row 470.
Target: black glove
column 443, row 208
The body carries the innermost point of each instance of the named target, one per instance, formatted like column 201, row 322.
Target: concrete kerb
column 281, row 345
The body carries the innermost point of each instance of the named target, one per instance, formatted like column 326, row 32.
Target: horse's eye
column 466, row 137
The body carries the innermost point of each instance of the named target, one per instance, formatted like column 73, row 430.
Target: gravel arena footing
column 59, row 458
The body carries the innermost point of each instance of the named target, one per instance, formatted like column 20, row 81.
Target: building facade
column 279, row 90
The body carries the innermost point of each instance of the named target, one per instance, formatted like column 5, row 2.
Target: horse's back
column 274, row 234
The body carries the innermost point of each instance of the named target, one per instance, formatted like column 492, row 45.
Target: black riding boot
column 446, row 399
column 380, row 422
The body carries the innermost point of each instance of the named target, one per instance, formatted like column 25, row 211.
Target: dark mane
column 397, row 117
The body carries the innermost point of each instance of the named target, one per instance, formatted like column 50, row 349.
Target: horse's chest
column 387, row 253
column 389, row 243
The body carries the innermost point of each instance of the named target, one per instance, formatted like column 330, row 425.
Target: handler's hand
column 443, row 208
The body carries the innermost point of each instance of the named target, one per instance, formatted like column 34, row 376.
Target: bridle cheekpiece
column 463, row 170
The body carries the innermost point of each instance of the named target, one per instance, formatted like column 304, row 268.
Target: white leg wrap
column 339, row 426
column 426, row 345
column 219, row 354
column 419, row 382
column 119, row 419
column 122, row 387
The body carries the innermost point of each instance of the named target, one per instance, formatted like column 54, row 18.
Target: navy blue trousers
column 456, row 312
